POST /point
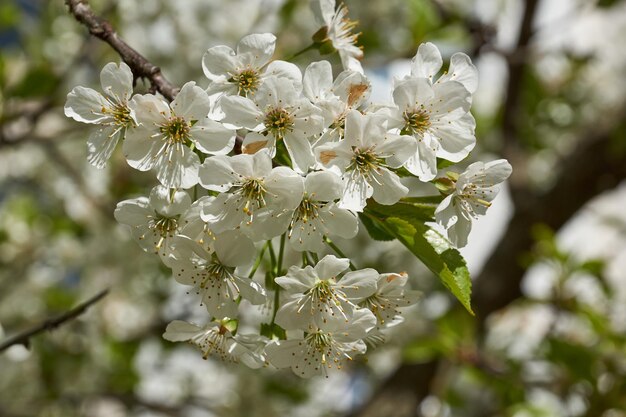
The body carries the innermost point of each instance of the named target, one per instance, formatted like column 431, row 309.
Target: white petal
column 387, row 187
column 456, row 138
column 285, row 70
column 234, row 249
column 180, row 331
column 339, row 222
column 219, row 62
column 460, row 231
column 167, row 204
column 397, row 149
column 298, row 280
column 318, row 80
column 217, row 173
column 212, row 137
column 149, row 110
column 364, row 131
column 412, row 93
column 101, row 144
column 117, row 81
column 290, row 316
column 323, row 186
column 427, row 62
column 424, row 163
column 178, row 167
column 191, row 103
column 451, row 100
column 254, row 142
column 86, row 105
column 133, row 212
column 140, row 149
column 324, row 11
column 241, row 112
column 330, row 266
column 360, row 284
column 281, row 353
column 257, row 49
column 300, row 152
column 285, row 188
column 462, row 70
column 355, row 192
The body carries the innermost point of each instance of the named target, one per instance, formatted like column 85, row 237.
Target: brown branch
column 139, row 65
column 51, row 324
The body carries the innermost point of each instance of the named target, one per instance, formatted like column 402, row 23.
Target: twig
column 51, row 324
column 139, row 65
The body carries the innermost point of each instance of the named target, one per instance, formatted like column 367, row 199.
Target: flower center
column 306, row 211
column 252, row 191
column 364, row 161
column 164, row 226
column 176, row 130
column 416, row 122
column 319, row 340
column 247, row 81
column 120, row 114
column 278, row 122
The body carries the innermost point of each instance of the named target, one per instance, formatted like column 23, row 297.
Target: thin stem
column 305, row 260
column 270, row 247
column 259, row 259
column 316, row 259
column 338, row 251
column 281, row 254
column 297, row 54
column 50, row 324
column 279, row 267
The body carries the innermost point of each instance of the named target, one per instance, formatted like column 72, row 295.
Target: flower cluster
column 275, row 152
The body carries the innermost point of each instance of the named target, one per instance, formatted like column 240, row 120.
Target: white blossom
column 337, row 29
column 167, row 135
column 364, row 159
column 350, row 90
column 428, row 62
column 213, row 274
column 438, row 117
column 472, row 194
column 110, row 110
column 156, row 220
column 391, row 294
column 278, row 112
column 215, row 339
column 316, row 295
column 322, row 348
column 244, row 71
column 249, row 186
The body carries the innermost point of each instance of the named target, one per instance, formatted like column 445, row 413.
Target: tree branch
column 138, row 64
column 51, row 324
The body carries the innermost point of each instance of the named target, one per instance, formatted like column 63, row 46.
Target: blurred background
column 548, row 261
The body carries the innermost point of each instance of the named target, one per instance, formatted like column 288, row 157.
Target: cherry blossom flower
column 156, row 220
column 470, row 197
column 337, row 30
column 278, row 112
column 316, row 217
column 244, row 71
column 249, row 186
column 323, row 348
column 317, row 295
column 428, row 62
column 167, row 135
column 364, row 159
column 215, row 339
column 438, row 117
column 110, row 110
column 213, row 274
column 391, row 294
column 350, row 90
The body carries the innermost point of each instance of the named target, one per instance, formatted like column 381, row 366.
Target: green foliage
column 406, row 222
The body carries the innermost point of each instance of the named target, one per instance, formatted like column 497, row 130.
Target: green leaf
column 405, row 221
column 375, row 231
